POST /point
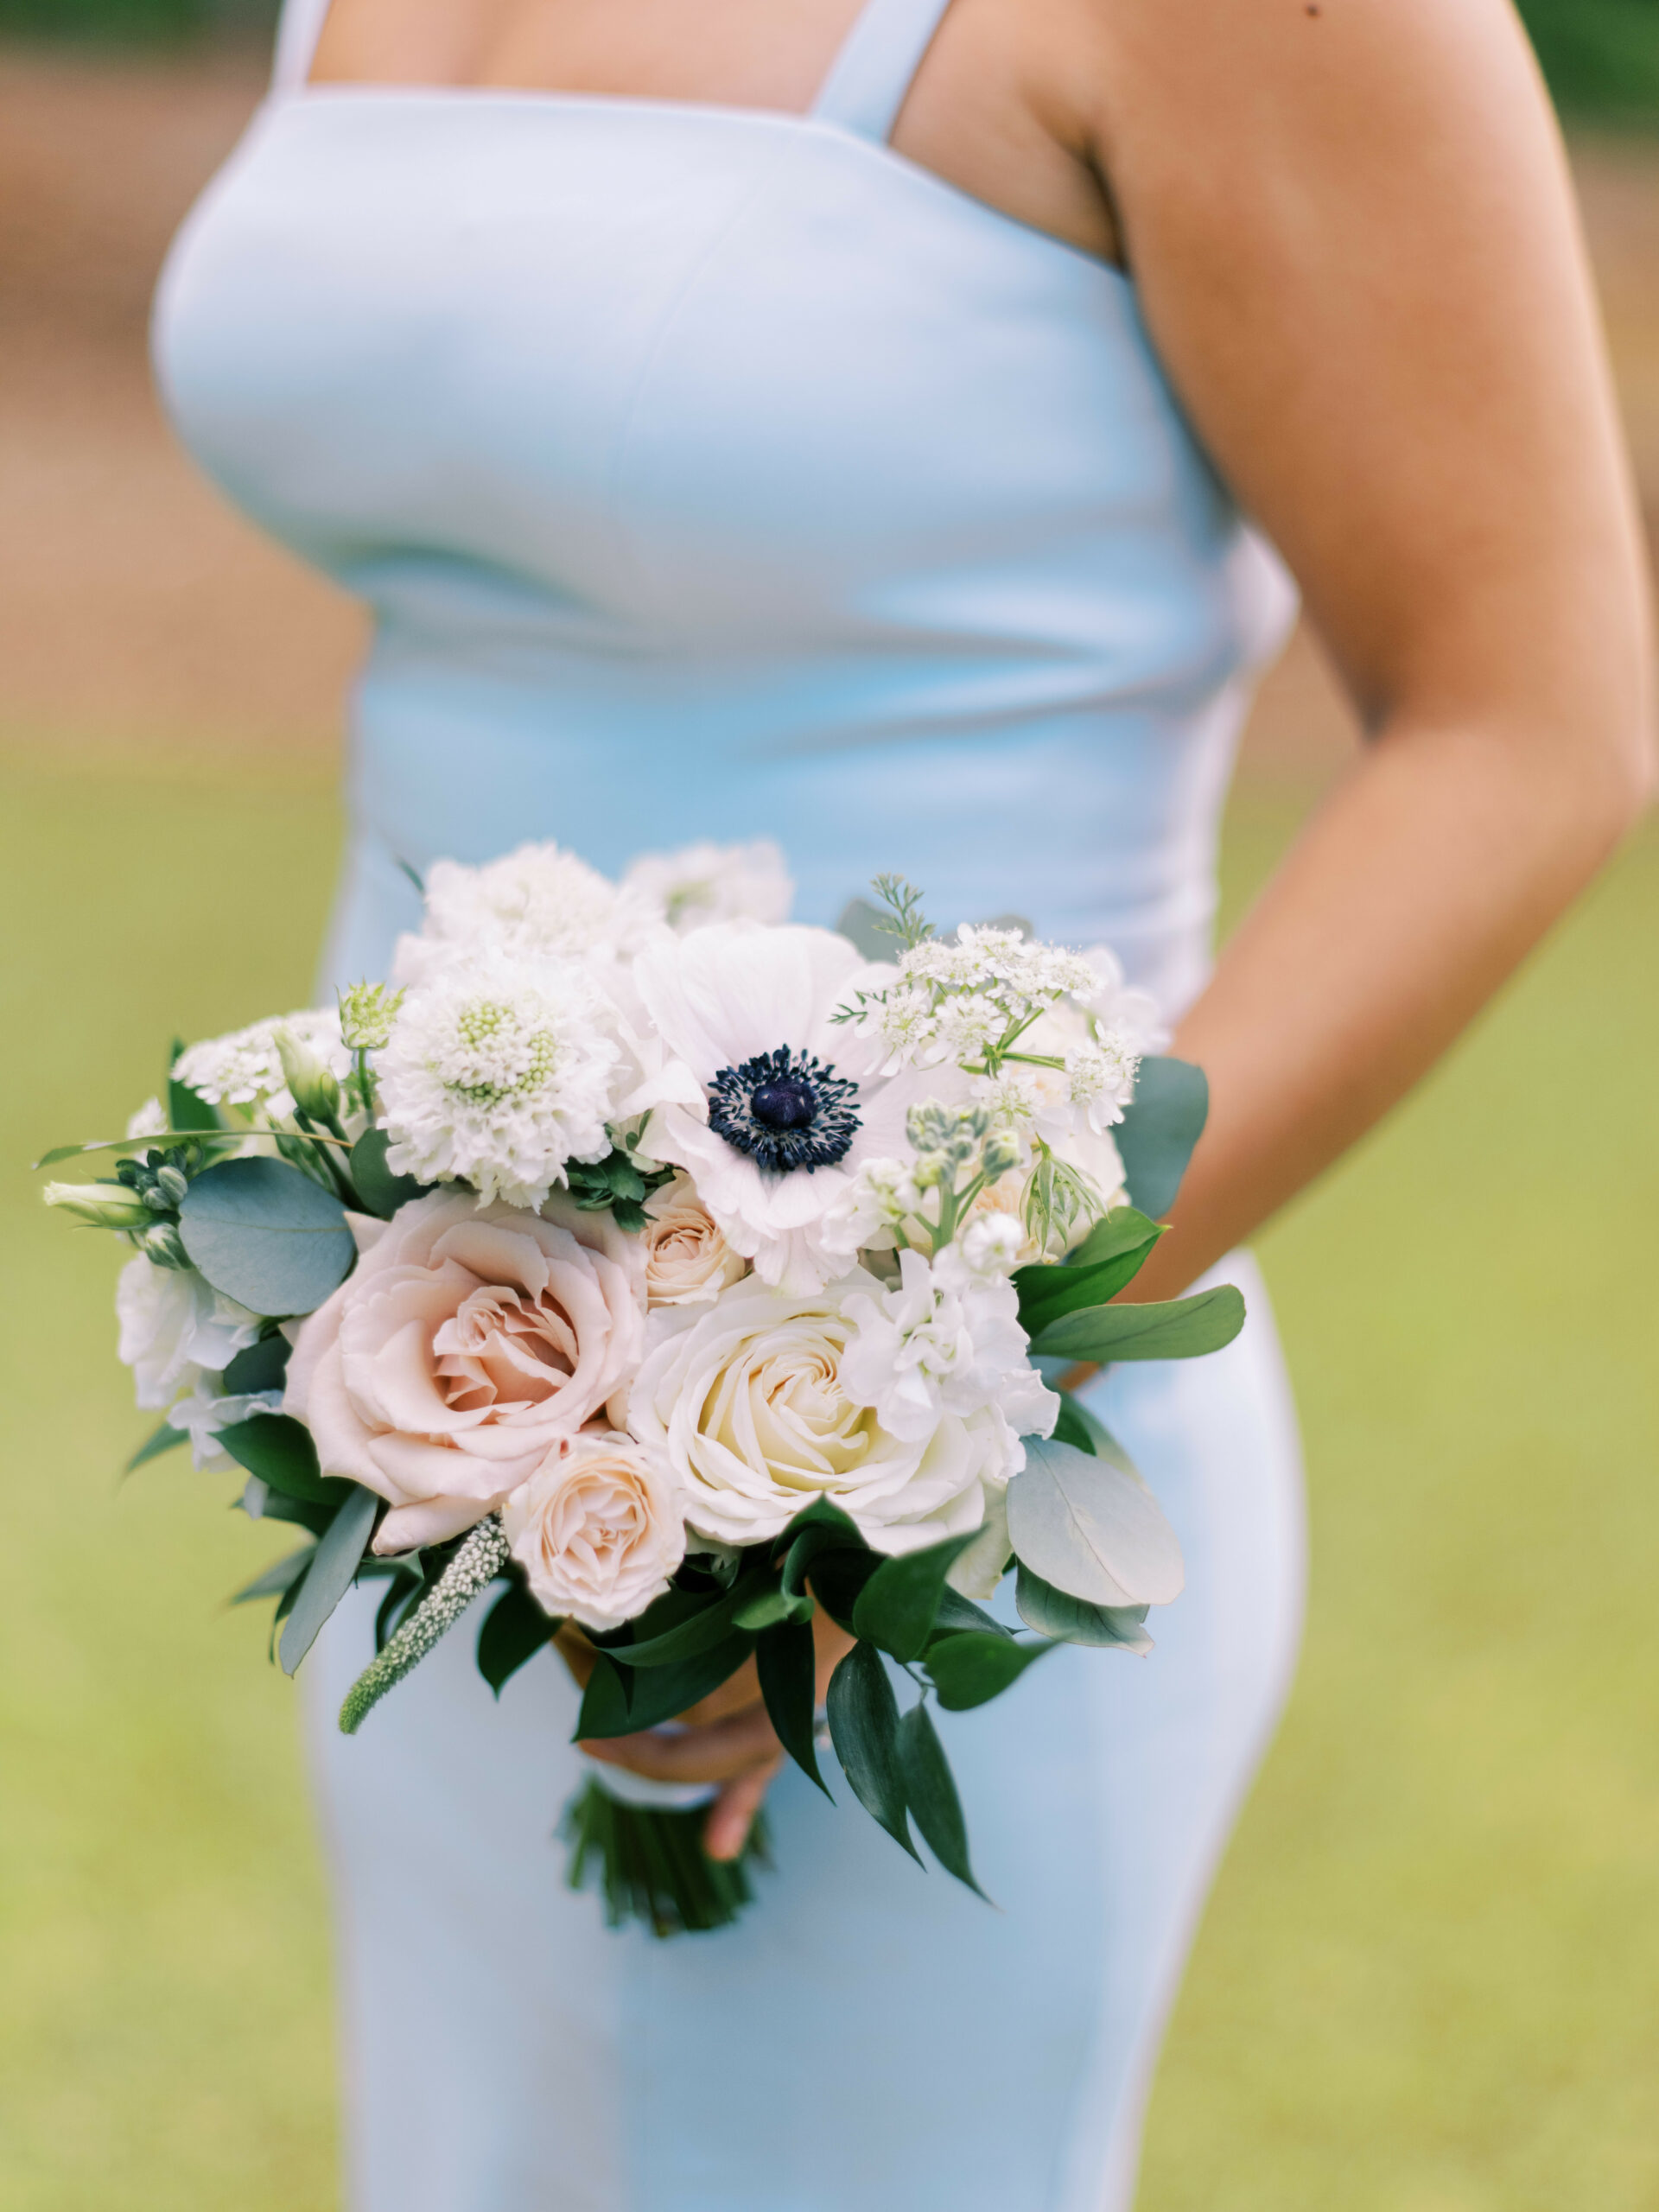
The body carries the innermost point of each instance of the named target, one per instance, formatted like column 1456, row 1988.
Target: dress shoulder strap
column 298, row 28
column 870, row 76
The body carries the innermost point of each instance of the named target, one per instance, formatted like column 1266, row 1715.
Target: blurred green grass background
column 1427, row 1982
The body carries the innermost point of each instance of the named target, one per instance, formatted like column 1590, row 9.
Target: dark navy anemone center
column 785, row 1109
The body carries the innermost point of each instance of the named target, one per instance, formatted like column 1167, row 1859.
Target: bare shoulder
column 1352, row 233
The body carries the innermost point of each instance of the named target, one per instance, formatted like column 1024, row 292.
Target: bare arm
column 1368, row 286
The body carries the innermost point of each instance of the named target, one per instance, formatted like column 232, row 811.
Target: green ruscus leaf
column 786, row 1660
column 898, row 1606
column 1182, row 1328
column 513, row 1630
column 864, row 1729
column 930, row 1790
column 972, row 1668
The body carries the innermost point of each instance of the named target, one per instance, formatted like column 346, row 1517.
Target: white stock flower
column 744, row 1408
column 989, row 1246
column 871, row 1214
column 706, row 883
column 174, row 1329
column 246, row 1068
column 497, row 1073
column 1135, row 1014
column 791, row 1104
column 534, row 901
column 596, row 1529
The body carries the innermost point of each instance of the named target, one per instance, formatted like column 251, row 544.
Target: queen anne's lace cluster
column 246, row 1068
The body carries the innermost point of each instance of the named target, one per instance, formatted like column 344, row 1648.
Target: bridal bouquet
column 665, row 1273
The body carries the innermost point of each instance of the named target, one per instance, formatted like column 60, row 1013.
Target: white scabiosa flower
column 497, row 1073
column 246, row 1068
column 707, row 883
column 538, row 901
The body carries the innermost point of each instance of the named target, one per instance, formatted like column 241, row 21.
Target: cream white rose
column 743, row 1409
column 467, row 1343
column 596, row 1529
column 688, row 1261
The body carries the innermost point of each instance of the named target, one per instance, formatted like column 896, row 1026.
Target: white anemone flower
column 792, row 1104
column 706, row 883
column 497, row 1073
column 535, row 900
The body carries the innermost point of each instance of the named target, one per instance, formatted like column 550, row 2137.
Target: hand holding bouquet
column 674, row 1275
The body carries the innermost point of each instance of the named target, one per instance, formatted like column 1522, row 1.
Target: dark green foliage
column 864, row 1729
column 164, row 1439
column 617, row 1183
column 1113, row 1254
column 698, row 1631
column 1073, row 1620
column 278, row 1578
column 1601, row 56
column 260, row 1367
column 513, row 1630
column 786, row 1663
column 279, row 1450
column 1180, row 1328
column 621, row 1701
column 381, row 1192
column 898, row 1606
column 931, row 1792
column 649, row 1864
column 837, row 1578
column 971, row 1670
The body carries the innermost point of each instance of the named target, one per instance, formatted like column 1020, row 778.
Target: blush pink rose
column 597, row 1530
column 466, row 1343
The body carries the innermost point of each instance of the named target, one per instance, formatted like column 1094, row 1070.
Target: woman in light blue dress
column 720, row 462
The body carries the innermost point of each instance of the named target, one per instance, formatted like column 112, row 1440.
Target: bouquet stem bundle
column 648, row 1864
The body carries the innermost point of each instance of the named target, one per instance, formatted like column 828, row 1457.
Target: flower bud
column 162, row 1243
column 100, row 1205
column 366, row 1014
column 172, row 1185
column 1002, row 1151
column 315, row 1090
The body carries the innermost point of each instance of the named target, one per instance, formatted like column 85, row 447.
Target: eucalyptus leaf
column 869, row 928
column 786, row 1662
column 1182, row 1328
column 1160, row 1126
column 513, row 1630
column 972, row 1668
column 864, row 1729
column 1073, row 1620
column 381, row 1192
column 930, row 1793
column 282, row 1574
column 1089, row 1526
column 164, row 1439
column 898, row 1606
column 330, row 1575
column 266, row 1235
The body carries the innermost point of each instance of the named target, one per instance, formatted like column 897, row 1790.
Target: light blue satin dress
column 712, row 473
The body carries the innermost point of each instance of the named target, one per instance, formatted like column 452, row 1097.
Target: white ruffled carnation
column 707, row 883
column 500, row 1071
column 536, row 900
column 246, row 1068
